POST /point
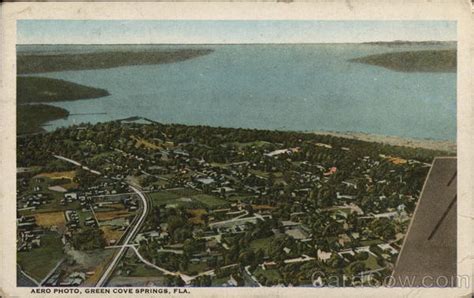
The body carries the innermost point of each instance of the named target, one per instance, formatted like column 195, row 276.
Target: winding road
column 132, row 232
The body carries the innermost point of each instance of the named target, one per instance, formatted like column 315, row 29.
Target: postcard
column 236, row 149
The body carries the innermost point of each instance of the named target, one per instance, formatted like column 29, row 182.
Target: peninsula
column 414, row 61
column 28, row 63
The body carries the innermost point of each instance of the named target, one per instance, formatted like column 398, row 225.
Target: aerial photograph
column 217, row 153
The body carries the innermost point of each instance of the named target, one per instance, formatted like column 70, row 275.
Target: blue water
column 285, row 87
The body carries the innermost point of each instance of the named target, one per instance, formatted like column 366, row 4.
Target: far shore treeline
column 414, row 61
column 27, row 63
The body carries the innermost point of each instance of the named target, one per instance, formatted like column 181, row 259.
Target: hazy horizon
column 106, row 32
column 268, row 43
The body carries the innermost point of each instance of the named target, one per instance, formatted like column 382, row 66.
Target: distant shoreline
column 441, row 145
column 414, row 61
column 447, row 146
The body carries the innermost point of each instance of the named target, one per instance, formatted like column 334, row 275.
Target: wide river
column 284, row 87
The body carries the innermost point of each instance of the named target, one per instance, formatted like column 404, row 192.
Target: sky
column 211, row 32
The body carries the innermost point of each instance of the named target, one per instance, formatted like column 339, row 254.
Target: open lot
column 196, row 215
column 111, row 234
column 181, row 197
column 108, row 215
column 40, row 261
column 210, row 201
column 58, row 175
column 48, row 219
column 262, row 243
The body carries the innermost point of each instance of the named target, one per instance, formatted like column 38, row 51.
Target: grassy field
column 40, row 261
column 210, row 201
column 241, row 198
column 163, row 197
column 184, row 192
column 414, row 61
column 262, row 243
column 174, row 196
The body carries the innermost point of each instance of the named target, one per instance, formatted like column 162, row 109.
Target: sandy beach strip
column 447, row 146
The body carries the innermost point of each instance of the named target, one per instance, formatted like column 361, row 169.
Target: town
column 139, row 203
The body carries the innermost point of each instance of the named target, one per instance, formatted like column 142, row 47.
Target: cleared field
column 210, row 201
column 144, row 143
column 163, row 197
column 111, row 234
column 397, row 160
column 177, row 196
column 40, row 261
column 58, row 175
column 262, row 243
column 184, row 192
column 196, row 216
column 108, row 215
column 49, row 219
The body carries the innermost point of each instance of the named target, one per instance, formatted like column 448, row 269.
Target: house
column 70, row 195
column 323, row 255
column 331, row 171
column 206, row 181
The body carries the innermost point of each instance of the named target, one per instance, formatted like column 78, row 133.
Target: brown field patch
column 396, row 160
column 117, row 206
column 108, row 215
column 262, row 207
column 145, row 143
column 58, row 175
column 196, row 215
column 49, row 219
column 110, row 234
